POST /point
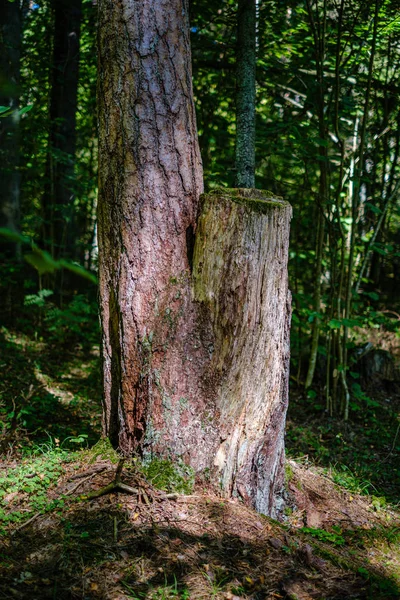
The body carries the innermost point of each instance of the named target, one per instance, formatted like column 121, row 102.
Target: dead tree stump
column 240, row 279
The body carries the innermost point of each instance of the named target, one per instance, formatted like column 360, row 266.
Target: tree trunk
column 10, row 43
column 194, row 367
column 245, row 93
column 150, row 180
column 58, row 201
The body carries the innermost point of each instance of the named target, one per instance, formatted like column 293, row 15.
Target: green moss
column 289, row 473
column 169, row 476
column 104, row 450
column 258, row 200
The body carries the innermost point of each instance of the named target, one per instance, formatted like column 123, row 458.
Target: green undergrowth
column 28, row 482
column 164, row 592
column 45, row 391
column 25, row 485
column 361, row 455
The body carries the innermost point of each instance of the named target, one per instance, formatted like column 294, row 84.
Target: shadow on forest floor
column 336, row 544
column 47, row 393
column 192, row 547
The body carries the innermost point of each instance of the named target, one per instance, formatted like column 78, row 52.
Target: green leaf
column 372, row 295
column 42, row 261
column 375, row 209
column 78, row 270
column 13, row 236
column 26, row 109
column 334, row 324
column 350, row 323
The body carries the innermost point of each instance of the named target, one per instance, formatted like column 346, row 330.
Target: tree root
column 115, row 486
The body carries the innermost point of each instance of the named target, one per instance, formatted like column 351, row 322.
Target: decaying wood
column 240, row 279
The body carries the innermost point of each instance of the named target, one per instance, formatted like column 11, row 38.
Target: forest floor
column 172, row 537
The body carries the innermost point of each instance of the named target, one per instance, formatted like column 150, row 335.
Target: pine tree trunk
column 195, row 366
column 150, row 180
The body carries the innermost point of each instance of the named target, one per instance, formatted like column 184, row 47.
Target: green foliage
column 41, row 260
column 334, row 537
column 31, row 480
column 76, row 322
column 169, row 476
column 358, row 456
column 159, row 592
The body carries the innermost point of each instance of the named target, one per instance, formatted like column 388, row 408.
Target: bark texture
column 150, row 180
column 245, row 93
column 240, row 278
column 10, row 44
column 58, row 199
column 195, row 365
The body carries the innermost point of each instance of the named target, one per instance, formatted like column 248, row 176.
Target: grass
column 164, row 592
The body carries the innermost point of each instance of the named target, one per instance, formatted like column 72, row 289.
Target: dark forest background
column 327, row 140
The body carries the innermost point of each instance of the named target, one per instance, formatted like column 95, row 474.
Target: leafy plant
column 28, row 483
column 334, row 537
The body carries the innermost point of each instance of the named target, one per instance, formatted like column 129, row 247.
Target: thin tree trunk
column 10, row 45
column 58, row 201
column 245, row 93
column 355, row 204
column 194, row 367
column 318, row 30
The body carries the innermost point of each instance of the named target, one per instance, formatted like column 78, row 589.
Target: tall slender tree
column 10, row 50
column 58, row 201
column 245, row 93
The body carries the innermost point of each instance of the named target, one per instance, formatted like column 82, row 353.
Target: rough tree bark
column 195, row 366
column 245, row 93
column 58, row 235
column 10, row 44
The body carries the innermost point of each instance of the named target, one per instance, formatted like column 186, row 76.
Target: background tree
column 10, row 43
column 245, row 93
column 59, row 197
